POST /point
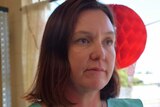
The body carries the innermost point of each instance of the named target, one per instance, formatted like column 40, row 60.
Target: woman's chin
column 96, row 85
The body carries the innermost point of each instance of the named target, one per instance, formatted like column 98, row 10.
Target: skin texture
column 92, row 58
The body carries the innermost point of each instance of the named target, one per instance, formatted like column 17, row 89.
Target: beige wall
column 15, row 32
column 26, row 25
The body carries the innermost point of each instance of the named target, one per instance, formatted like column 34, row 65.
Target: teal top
column 114, row 102
column 35, row 105
column 118, row 102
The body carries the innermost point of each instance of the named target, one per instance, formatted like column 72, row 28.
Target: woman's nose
column 98, row 52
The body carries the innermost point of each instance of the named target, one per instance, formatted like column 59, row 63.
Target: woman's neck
column 83, row 98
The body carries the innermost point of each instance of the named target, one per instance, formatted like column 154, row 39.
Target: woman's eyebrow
column 88, row 34
column 82, row 32
column 110, row 33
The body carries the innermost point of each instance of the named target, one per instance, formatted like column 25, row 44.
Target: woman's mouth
column 95, row 69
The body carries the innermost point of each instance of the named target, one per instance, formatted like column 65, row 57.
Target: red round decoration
column 131, row 35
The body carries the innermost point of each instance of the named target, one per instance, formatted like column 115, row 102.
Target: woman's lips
column 96, row 69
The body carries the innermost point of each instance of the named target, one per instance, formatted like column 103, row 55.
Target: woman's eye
column 83, row 41
column 108, row 42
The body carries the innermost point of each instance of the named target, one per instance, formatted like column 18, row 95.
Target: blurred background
column 21, row 27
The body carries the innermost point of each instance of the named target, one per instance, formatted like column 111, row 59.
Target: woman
column 77, row 59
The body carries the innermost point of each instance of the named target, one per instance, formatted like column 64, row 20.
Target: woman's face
column 92, row 51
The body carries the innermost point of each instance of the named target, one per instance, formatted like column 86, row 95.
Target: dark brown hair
column 53, row 70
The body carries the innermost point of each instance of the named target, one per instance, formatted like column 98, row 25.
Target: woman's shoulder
column 35, row 105
column 113, row 102
column 124, row 102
